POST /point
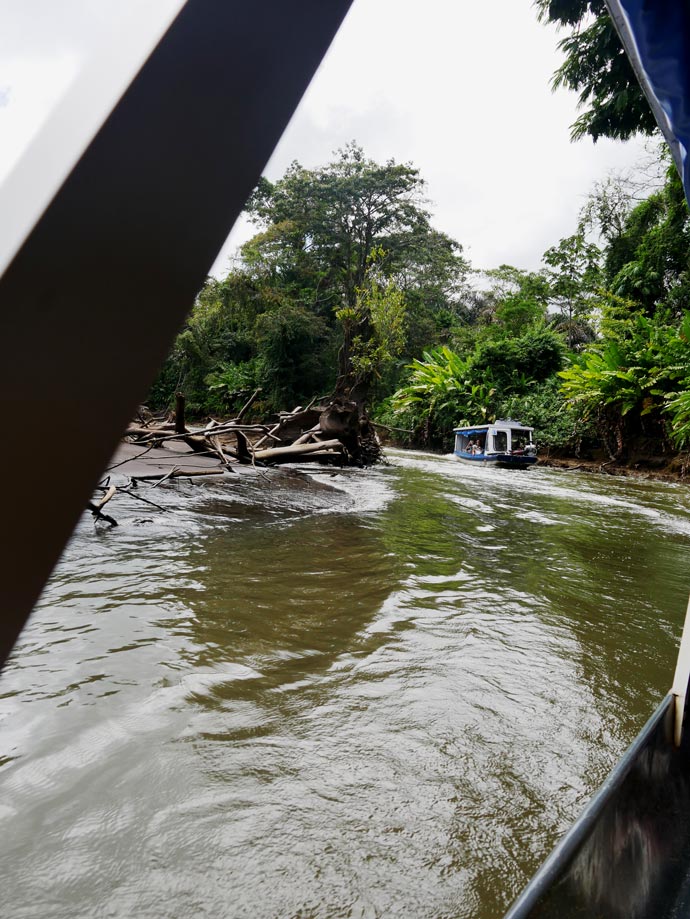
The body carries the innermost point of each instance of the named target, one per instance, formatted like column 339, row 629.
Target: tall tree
column 516, row 299
column 320, row 227
column 574, row 276
column 607, row 208
column 373, row 330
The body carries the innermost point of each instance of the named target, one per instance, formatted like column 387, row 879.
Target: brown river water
column 387, row 694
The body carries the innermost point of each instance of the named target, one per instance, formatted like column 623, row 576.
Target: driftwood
column 127, row 491
column 218, row 449
column 245, row 408
column 178, row 473
column 331, row 432
column 338, row 427
column 390, row 427
column 197, row 444
column 160, row 434
column 129, row 459
column 307, row 436
column 96, row 508
column 243, row 453
column 282, row 424
column 285, row 454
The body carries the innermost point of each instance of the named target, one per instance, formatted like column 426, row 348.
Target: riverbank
column 670, row 469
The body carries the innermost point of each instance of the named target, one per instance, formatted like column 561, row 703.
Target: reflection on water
column 387, row 694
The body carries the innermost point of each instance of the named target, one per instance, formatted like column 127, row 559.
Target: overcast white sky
column 459, row 89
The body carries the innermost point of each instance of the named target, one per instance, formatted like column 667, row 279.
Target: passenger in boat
column 477, row 447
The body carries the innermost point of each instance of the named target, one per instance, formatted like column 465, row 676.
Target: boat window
column 500, row 441
column 520, row 438
column 473, row 442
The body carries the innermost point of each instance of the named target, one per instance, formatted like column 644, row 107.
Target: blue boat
column 507, row 444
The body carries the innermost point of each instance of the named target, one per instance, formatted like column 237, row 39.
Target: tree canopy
column 322, row 230
column 343, row 282
column 597, row 68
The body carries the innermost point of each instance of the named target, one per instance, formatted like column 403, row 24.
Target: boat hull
column 626, row 857
column 501, row 460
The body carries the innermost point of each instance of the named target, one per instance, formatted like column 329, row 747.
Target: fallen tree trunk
column 307, row 436
column 284, row 454
column 335, row 433
column 339, row 426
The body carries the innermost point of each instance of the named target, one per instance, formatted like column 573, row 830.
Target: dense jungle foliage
column 346, row 288
column 344, row 283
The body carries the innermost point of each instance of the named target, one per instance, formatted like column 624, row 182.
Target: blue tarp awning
column 656, row 38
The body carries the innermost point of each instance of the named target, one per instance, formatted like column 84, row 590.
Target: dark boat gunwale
column 556, row 866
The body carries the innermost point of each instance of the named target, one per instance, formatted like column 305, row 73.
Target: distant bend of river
column 384, row 695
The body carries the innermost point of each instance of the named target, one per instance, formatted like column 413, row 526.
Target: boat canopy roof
column 483, row 428
column 656, row 38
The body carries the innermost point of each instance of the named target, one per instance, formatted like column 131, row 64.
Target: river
column 384, row 694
